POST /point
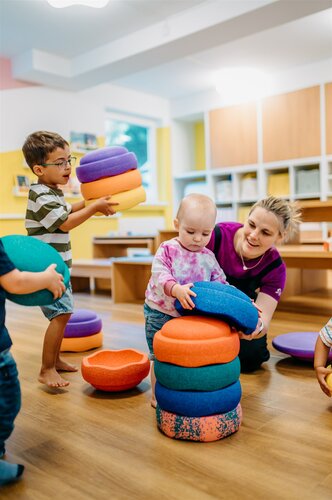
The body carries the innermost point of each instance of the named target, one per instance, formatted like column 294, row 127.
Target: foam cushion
column 81, row 344
column 30, row 254
column 125, row 200
column 102, row 153
column 300, row 345
column 106, row 168
column 83, row 323
column 195, row 341
column 198, row 403
column 224, row 302
column 111, row 185
column 115, row 370
column 203, row 429
column 202, row 378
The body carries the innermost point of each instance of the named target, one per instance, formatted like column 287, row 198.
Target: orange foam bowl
column 115, row 371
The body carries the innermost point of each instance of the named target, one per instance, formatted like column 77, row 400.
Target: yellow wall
column 12, row 164
column 199, row 136
column 164, row 172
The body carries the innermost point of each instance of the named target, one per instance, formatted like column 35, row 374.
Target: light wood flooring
column 84, row 444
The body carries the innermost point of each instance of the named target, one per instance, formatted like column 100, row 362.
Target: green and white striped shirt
column 47, row 210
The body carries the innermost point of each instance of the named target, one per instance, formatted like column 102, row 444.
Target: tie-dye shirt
column 175, row 264
column 326, row 334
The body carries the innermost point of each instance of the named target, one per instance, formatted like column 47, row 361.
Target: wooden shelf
column 316, row 211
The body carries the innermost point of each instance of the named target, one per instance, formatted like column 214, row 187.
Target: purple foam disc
column 300, row 345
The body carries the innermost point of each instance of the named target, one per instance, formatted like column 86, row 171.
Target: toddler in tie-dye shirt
column 322, row 350
column 178, row 263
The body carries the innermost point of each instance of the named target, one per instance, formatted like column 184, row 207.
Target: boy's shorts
column 64, row 305
column 154, row 320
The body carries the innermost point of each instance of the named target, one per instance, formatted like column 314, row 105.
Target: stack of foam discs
column 197, row 369
column 83, row 332
column 111, row 171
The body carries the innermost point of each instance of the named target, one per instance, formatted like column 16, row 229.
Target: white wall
column 24, row 110
column 288, row 81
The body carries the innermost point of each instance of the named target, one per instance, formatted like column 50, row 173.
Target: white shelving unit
column 236, row 188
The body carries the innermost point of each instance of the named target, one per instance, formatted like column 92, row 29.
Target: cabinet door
column 291, row 125
column 328, row 117
column 233, row 135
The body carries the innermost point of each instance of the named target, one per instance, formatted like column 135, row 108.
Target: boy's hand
column 54, row 281
column 321, row 374
column 183, row 293
column 104, row 205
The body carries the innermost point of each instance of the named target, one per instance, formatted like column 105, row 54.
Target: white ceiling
column 169, row 48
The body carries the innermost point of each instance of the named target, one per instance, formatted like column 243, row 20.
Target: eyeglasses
column 62, row 165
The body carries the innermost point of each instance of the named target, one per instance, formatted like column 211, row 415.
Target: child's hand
column 104, row 205
column 54, row 281
column 183, row 293
column 321, row 374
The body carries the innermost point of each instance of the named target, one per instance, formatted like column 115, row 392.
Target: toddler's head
column 195, row 220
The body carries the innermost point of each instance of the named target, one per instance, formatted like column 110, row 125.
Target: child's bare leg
column 153, row 385
column 52, row 342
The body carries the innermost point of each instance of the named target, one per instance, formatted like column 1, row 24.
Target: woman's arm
column 266, row 306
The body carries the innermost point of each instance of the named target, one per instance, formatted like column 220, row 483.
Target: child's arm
column 20, row 282
column 321, row 355
column 79, row 215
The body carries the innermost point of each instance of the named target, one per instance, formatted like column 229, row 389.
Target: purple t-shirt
column 272, row 282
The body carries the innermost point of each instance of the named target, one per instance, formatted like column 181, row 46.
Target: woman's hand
column 183, row 294
column 256, row 334
column 321, row 374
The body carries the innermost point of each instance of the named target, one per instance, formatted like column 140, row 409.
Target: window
column 139, row 137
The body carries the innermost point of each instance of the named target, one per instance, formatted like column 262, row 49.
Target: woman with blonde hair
column 247, row 253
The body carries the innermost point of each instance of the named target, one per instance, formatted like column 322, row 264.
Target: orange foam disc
column 80, row 344
column 195, row 341
column 111, row 185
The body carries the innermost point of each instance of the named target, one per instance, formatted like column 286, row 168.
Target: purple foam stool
column 300, row 345
column 83, row 323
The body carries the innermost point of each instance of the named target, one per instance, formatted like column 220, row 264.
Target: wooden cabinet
column 281, row 145
column 116, row 246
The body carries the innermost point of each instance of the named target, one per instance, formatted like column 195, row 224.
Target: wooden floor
column 83, row 444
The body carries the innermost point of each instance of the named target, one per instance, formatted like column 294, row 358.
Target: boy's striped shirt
column 47, row 210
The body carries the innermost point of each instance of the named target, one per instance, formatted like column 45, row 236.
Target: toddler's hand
column 183, row 293
column 104, row 205
column 54, row 281
column 321, row 374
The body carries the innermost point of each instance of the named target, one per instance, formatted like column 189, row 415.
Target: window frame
column 152, row 194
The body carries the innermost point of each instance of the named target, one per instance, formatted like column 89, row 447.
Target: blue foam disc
column 223, row 302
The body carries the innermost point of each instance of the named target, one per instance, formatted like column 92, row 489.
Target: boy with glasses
column 50, row 218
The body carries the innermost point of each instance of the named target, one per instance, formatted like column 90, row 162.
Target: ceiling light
column 59, row 4
column 241, row 84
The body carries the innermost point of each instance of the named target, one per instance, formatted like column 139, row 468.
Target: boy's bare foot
column 153, row 402
column 62, row 366
column 51, row 378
